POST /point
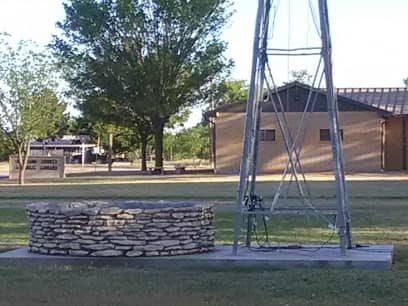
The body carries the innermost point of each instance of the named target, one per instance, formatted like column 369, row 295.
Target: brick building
column 373, row 122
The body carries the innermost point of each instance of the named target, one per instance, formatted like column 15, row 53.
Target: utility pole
column 110, row 152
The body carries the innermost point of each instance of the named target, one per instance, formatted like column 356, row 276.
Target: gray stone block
column 107, row 253
column 151, row 247
column 111, row 211
column 66, row 237
column 128, row 242
column 134, row 253
column 70, row 245
column 78, row 252
column 166, row 243
column 97, row 247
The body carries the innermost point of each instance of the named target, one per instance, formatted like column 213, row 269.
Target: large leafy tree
column 29, row 106
column 116, row 139
column 302, row 76
column 119, row 119
column 229, row 91
column 188, row 143
column 124, row 139
column 6, row 147
column 150, row 58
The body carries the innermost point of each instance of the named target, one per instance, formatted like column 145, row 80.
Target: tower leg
column 342, row 222
column 249, row 129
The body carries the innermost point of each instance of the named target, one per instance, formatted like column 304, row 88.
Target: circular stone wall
column 127, row 228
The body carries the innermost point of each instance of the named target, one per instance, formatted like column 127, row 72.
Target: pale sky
column 370, row 45
column 369, row 36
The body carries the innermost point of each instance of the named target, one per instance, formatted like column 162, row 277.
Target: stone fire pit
column 123, row 228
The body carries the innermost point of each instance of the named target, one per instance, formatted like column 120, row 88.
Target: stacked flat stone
column 95, row 228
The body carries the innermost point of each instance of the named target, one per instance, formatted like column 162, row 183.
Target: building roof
column 53, row 145
column 294, row 95
column 393, row 100
column 67, row 141
column 51, row 142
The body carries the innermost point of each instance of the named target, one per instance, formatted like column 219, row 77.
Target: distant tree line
column 134, row 68
column 191, row 143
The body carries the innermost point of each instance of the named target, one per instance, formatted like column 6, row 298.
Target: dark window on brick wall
column 325, row 134
column 267, row 135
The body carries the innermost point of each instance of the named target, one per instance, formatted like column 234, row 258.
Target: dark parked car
column 90, row 158
column 100, row 158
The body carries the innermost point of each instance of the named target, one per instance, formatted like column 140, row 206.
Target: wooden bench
column 180, row 169
column 156, row 170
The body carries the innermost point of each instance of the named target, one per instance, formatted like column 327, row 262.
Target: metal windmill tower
column 263, row 90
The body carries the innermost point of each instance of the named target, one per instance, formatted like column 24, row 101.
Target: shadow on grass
column 194, row 190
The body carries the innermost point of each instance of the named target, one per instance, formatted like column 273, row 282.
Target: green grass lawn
column 380, row 215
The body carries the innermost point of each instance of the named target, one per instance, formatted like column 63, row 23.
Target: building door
column 395, row 144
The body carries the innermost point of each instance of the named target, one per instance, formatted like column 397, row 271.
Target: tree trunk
column 20, row 175
column 143, row 144
column 23, row 154
column 158, row 128
column 110, row 152
column 20, row 165
column 144, row 131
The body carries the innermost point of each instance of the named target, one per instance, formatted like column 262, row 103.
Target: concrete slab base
column 367, row 256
